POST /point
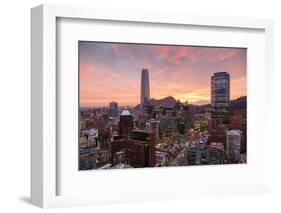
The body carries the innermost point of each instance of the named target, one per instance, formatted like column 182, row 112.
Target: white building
column 93, row 136
column 233, row 143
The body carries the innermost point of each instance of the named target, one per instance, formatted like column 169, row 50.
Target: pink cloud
column 182, row 72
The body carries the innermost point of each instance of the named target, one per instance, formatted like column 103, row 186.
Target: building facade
column 113, row 109
column 154, row 127
column 140, row 149
column 220, row 95
column 126, row 123
column 216, row 153
column 87, row 154
column 233, row 145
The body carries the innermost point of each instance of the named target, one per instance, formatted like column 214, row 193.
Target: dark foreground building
column 126, row 123
column 140, row 149
column 87, row 158
column 133, row 146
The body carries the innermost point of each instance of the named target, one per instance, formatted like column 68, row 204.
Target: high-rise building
column 87, row 158
column 220, row 95
column 126, row 123
column 113, row 109
column 233, row 144
column 167, row 124
column 185, row 115
column 116, row 146
column 168, row 120
column 140, row 149
column 154, row 126
column 148, row 111
column 87, row 154
column 145, row 91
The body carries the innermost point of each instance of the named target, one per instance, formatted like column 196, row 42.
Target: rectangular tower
column 233, row 145
column 140, row 149
column 220, row 95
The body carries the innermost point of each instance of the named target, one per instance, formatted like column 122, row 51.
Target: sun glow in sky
column 112, row 72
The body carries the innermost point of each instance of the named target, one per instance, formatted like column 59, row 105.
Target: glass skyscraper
column 220, row 95
column 145, row 93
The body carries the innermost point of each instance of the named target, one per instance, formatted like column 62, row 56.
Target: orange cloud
column 112, row 72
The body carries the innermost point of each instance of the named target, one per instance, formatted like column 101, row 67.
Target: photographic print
column 155, row 105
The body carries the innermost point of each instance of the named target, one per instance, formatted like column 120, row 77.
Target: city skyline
column 111, row 72
column 123, row 127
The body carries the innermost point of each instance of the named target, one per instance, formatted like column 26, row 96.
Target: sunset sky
column 112, row 72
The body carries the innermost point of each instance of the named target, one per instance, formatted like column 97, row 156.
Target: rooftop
column 125, row 111
column 221, row 73
column 217, row 145
column 234, row 132
column 141, row 131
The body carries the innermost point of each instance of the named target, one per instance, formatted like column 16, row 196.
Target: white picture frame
column 44, row 149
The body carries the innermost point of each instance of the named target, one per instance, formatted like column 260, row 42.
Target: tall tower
column 145, row 92
column 220, row 95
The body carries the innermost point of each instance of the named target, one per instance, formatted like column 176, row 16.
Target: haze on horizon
column 112, row 72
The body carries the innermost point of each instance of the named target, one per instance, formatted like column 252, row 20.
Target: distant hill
column 164, row 102
column 235, row 105
column 238, row 104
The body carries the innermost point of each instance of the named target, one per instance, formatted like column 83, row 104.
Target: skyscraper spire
column 145, row 91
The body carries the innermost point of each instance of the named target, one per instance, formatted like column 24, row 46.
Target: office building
column 220, row 95
column 113, row 109
column 196, row 154
column 116, row 146
column 233, row 144
column 87, row 158
column 154, row 127
column 216, row 153
column 140, row 149
column 126, row 123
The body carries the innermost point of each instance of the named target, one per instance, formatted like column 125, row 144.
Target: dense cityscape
column 165, row 132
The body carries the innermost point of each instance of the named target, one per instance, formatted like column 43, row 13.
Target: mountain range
column 169, row 101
